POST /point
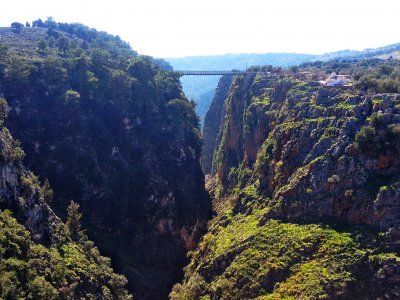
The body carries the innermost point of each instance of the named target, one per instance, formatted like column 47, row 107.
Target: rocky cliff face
column 114, row 132
column 315, row 152
column 39, row 259
column 351, row 165
column 21, row 192
column 213, row 121
column 323, row 159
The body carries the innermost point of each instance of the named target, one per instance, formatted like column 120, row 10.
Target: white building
column 337, row 80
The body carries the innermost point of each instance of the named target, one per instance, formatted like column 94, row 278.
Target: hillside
column 363, row 54
column 305, row 184
column 113, row 131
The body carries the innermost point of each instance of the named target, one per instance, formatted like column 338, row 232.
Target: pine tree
column 74, row 221
column 47, row 192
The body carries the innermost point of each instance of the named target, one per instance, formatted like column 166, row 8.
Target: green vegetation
column 345, row 105
column 238, row 176
column 377, row 101
column 262, row 102
column 366, row 139
column 320, row 119
column 300, row 88
column 74, row 222
column 377, row 137
column 69, row 270
column 72, row 96
column 273, row 261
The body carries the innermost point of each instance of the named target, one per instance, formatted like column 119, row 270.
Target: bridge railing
column 233, row 72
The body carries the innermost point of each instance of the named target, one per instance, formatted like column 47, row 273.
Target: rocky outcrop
column 213, row 122
column 21, row 192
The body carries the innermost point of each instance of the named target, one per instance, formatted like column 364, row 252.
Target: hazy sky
column 169, row 28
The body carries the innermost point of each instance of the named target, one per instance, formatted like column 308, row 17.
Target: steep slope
column 39, row 258
column 114, row 132
column 306, row 188
column 213, row 121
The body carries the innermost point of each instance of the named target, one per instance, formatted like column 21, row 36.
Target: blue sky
column 172, row 28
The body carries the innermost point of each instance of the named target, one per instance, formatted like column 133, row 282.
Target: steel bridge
column 213, row 73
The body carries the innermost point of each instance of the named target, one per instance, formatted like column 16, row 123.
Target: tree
column 366, row 139
column 3, row 110
column 16, row 27
column 27, row 24
column 51, row 41
column 100, row 57
column 72, row 96
column 38, row 23
column 40, row 288
column 63, row 44
column 46, row 192
column 3, row 52
column 294, row 69
column 42, row 46
column 50, row 23
column 74, row 221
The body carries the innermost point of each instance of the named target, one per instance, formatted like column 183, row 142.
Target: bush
column 72, row 96
column 366, row 140
column 42, row 289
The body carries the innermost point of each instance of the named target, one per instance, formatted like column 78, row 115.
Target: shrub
column 366, row 139
column 72, row 96
column 42, row 289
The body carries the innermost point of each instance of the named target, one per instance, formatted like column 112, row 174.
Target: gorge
column 301, row 195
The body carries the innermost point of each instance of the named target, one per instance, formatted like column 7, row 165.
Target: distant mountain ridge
column 240, row 61
column 354, row 54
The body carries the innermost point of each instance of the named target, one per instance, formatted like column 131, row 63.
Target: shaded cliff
column 306, row 189
column 113, row 131
column 39, row 256
column 213, row 121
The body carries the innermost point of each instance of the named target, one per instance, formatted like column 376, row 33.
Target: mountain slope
column 306, row 186
column 113, row 131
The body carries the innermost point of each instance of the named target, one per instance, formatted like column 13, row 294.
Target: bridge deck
column 233, row 72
